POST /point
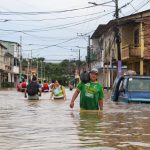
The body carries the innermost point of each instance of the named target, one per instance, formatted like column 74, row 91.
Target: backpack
column 32, row 89
column 85, row 77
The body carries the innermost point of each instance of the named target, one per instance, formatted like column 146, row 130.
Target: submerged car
column 131, row 88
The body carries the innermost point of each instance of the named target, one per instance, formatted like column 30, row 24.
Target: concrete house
column 2, row 65
column 135, row 46
column 12, row 59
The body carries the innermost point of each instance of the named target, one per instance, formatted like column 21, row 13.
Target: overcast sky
column 57, row 29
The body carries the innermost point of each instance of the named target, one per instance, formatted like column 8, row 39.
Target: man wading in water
column 33, row 89
column 91, row 93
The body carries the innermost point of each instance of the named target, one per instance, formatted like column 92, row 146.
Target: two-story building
column 135, row 46
column 2, row 65
column 11, row 61
column 135, row 42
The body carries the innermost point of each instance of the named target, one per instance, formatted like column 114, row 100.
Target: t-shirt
column 23, row 85
column 90, row 94
column 45, row 86
column 58, row 91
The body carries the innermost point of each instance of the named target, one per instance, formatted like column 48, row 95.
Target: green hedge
column 7, row 84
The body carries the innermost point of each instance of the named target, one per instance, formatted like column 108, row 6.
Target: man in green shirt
column 91, row 93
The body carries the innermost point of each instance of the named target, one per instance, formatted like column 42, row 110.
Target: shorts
column 34, row 97
column 59, row 97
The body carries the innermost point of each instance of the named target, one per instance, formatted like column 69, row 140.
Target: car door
column 122, row 96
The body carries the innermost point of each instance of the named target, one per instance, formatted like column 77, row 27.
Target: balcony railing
column 129, row 51
column 125, row 52
column 147, row 53
column 2, row 66
column 8, row 68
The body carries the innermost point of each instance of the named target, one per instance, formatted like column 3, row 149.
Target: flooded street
column 52, row 125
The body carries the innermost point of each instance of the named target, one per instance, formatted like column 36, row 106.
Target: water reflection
column 116, row 130
column 33, row 103
column 89, row 129
column 46, row 125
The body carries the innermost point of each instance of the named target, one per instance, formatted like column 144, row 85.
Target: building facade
column 11, row 62
column 135, row 47
column 2, row 65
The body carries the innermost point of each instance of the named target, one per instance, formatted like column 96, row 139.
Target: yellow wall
column 127, row 35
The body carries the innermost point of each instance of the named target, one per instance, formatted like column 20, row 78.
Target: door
column 122, row 96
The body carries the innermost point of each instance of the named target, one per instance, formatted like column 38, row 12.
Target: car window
column 122, row 85
column 138, row 84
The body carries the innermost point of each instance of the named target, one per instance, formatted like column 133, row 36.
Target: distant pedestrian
column 23, row 85
column 58, row 91
column 40, row 84
column 51, row 85
column 33, row 89
column 19, row 86
column 45, row 87
column 70, row 85
column 91, row 93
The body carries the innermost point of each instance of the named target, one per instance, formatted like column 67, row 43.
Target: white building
column 13, row 50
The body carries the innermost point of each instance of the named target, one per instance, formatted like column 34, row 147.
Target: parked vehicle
column 131, row 88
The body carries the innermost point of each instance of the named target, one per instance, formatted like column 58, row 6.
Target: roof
column 98, row 31
column 136, row 76
column 145, row 13
column 2, row 46
column 3, row 41
column 127, row 19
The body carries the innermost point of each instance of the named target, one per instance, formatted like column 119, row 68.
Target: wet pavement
column 51, row 125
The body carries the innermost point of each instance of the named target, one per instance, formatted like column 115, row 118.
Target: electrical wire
column 58, row 26
column 142, row 6
column 40, row 20
column 52, row 12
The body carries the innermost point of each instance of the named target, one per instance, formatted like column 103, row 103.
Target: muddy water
column 52, row 125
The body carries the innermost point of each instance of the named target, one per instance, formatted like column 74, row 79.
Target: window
column 122, row 85
column 139, row 84
column 136, row 38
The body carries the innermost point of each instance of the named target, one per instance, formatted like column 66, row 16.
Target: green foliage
column 54, row 71
column 7, row 84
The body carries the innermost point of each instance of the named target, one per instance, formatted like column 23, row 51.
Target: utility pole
column 117, row 36
column 89, row 53
column 79, row 62
column 118, row 39
column 88, row 47
column 20, row 74
column 37, row 69
column 28, row 69
column 41, row 71
column 31, row 63
column 44, row 70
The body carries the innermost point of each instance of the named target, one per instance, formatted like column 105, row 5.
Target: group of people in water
column 91, row 92
column 35, row 88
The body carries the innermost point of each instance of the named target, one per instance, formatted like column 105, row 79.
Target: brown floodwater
column 51, row 125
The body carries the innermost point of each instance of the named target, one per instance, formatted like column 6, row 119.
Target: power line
column 134, row 8
column 137, row 7
column 52, row 12
column 64, row 25
column 59, row 26
column 39, row 20
column 55, row 45
column 142, row 6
